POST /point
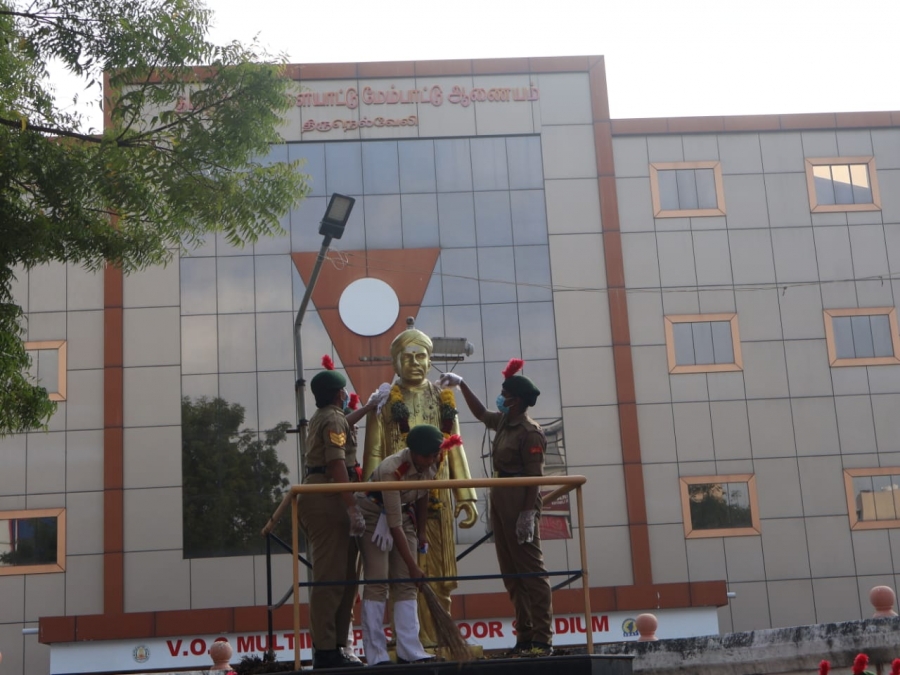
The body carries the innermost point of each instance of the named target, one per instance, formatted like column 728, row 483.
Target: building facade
column 707, row 305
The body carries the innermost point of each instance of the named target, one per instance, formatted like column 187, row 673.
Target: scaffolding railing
column 565, row 485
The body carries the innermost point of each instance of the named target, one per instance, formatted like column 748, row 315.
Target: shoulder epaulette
column 402, row 470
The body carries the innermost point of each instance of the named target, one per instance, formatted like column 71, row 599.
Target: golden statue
column 414, row 400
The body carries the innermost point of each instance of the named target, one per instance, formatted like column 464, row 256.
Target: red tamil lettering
column 174, row 649
column 244, row 644
column 198, row 646
column 496, row 629
column 600, row 624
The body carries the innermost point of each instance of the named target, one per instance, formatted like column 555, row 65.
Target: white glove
column 381, row 395
column 525, row 526
column 450, row 380
column 382, row 535
column 357, row 522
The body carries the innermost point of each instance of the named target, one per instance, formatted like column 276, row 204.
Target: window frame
column 659, row 212
column 835, row 362
column 689, row 531
column 60, row 564
column 855, row 522
column 675, row 369
column 60, row 346
column 815, row 207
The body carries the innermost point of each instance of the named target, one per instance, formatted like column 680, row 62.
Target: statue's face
column 412, row 364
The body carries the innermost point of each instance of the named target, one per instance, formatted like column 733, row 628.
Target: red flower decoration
column 860, row 663
column 824, row 667
column 452, row 441
column 354, row 401
column 513, row 367
column 327, row 363
column 895, row 667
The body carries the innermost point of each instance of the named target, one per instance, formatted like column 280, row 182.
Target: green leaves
column 176, row 160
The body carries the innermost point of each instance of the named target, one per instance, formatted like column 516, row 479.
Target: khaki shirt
column 519, row 446
column 327, row 438
column 399, row 466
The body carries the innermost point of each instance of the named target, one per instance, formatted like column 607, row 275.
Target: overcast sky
column 681, row 57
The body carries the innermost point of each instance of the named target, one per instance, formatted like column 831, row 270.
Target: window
column 703, row 343
column 48, row 366
column 719, row 506
column 842, row 184
column 873, row 498
column 687, row 189
column 32, row 542
column 862, row 337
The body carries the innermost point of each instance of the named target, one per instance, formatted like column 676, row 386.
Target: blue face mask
column 501, row 404
column 345, row 400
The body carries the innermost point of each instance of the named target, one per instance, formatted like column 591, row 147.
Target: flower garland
column 448, row 411
column 399, row 411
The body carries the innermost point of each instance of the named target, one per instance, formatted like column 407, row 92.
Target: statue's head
column 411, row 356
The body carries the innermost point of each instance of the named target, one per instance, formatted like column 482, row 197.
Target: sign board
column 192, row 651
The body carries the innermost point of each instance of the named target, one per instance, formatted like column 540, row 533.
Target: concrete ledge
column 767, row 652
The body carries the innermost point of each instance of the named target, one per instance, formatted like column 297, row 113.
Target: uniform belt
column 351, row 472
column 507, row 474
column 378, row 498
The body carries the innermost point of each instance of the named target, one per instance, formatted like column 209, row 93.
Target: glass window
column 456, row 219
column 275, row 341
column 32, row 541
column 460, row 274
column 382, row 216
column 279, row 243
column 343, row 169
column 500, row 331
column 454, row 165
column 700, row 343
column 235, row 284
column 842, row 184
column 493, row 223
column 529, row 217
column 719, row 506
column 313, row 156
column 860, row 337
column 237, row 343
column 538, row 329
column 687, row 189
column 489, row 164
column 873, row 497
column 533, row 273
column 526, row 167
column 199, row 344
column 380, row 168
column 417, row 167
column 198, row 286
column 273, row 283
column 497, row 274
column 419, row 215
column 434, row 294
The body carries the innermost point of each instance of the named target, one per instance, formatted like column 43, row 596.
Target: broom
column 446, row 632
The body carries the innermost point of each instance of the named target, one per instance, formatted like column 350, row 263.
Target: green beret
column 523, row 388
column 424, row 439
column 326, row 381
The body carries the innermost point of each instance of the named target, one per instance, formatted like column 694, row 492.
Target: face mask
column 501, row 404
column 345, row 399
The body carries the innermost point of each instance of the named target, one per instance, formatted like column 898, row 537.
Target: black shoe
column 540, row 649
column 328, row 658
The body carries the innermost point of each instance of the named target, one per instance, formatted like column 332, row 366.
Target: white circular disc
column 369, row 306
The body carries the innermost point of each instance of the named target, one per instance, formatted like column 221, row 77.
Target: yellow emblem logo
column 337, row 439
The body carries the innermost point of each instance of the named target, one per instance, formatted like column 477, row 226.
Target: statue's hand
column 471, row 514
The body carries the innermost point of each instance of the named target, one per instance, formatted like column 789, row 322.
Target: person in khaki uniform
column 395, row 528
column 331, row 522
column 518, row 450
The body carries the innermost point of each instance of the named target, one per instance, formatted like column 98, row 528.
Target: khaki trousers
column 531, row 596
column 333, row 554
column 380, row 564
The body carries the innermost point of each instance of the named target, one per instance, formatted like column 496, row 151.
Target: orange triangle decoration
column 405, row 270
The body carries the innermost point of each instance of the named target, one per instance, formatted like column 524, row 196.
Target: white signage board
column 192, row 651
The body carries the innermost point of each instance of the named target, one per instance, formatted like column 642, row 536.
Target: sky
column 663, row 59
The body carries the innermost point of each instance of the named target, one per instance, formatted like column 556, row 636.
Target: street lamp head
column 336, row 216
